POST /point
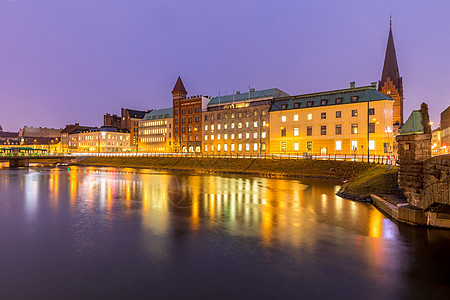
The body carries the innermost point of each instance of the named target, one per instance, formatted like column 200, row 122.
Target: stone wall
column 436, row 181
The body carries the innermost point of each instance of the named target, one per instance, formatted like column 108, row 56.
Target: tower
column 391, row 83
column 178, row 94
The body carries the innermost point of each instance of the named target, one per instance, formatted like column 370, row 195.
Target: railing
column 379, row 159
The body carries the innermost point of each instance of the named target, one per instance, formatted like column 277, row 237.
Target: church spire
column 390, row 68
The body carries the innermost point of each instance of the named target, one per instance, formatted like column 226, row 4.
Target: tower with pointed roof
column 179, row 92
column 391, row 83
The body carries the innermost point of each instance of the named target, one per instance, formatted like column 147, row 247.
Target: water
column 106, row 233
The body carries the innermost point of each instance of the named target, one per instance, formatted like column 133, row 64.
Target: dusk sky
column 73, row 61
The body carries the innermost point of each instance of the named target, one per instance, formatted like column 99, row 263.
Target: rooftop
column 414, row 124
column 159, row 114
column 241, row 97
column 335, row 97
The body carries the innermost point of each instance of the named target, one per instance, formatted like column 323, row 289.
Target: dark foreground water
column 105, row 233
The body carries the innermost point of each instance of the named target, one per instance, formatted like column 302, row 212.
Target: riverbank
column 325, row 169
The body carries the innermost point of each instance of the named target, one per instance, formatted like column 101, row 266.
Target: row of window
column 152, row 123
column 323, row 115
column 153, row 131
column 323, row 130
column 232, row 136
column 189, row 138
column 190, row 128
column 189, row 110
column 153, row 139
column 322, row 102
column 338, row 146
column 189, row 119
column 233, row 115
column 232, row 147
column 232, row 125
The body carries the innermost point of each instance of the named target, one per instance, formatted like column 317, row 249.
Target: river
column 109, row 233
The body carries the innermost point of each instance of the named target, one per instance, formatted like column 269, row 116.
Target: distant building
column 39, row 132
column 333, row 122
column 238, row 124
column 155, row 131
column 130, row 121
column 102, row 140
column 111, row 120
column 445, row 129
column 50, row 144
column 436, row 141
column 69, row 137
column 391, row 83
column 9, row 139
column 187, row 119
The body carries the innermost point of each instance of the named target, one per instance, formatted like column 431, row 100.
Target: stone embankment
column 326, row 169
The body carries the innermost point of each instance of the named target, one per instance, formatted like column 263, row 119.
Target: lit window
column 218, row 147
column 212, row 127
column 309, row 117
column 225, row 147
column 247, row 135
column 354, row 145
column 218, row 136
column 206, row 148
column 218, row 127
column 283, row 118
column 247, row 147
column 212, row 138
column 283, row 131
column 371, row 145
column 295, row 117
column 239, row 125
column 255, row 124
column 309, row 145
column 246, row 124
column 296, row 147
column 232, row 147
column 338, row 129
column 255, row 135
column 354, row 128
column 338, row 145
column 239, row 147
column 225, row 136
column 232, row 136
column 296, row 131
column 354, row 112
column 240, row 136
column 206, row 137
column 255, row 146
column 232, row 125
column 263, row 135
column 225, row 126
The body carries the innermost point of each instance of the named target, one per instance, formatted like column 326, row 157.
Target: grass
column 378, row 179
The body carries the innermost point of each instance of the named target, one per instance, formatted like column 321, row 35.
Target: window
column 284, row 106
column 309, row 117
column 296, row 104
column 239, row 147
column 255, row 124
column 354, row 145
column 283, row 146
column 218, row 118
column 206, row 148
column 240, row 136
column 176, row 111
column 295, row 117
column 338, row 129
column 218, row 136
column 323, row 102
column 246, row 124
column 309, row 131
column 338, row 114
column 197, row 109
column 354, row 128
column 183, row 111
column 212, row 137
column 354, row 112
column 371, row 111
column 263, row 146
column 232, row 147
column 218, row 127
column 225, row 126
column 183, row 120
column 239, row 115
column 225, row 136
column 232, row 115
column 296, row 148
column 212, row 148
column 255, row 135
column 309, row 145
column 338, row 145
column 190, row 110
column 371, row 127
column 247, row 147
column 263, row 135
column 309, row 103
column 296, row 131
column 247, row 135
column 206, row 127
column 183, row 129
column 338, row 100
column 283, row 118
column 225, row 147
column 206, row 118
column 232, row 125
column 176, row 120
column 354, row 99
column 255, row 113
column 255, row 146
column 197, row 118
column 323, row 130
column 232, row 136
column 212, row 127
column 323, row 115
column 371, row 144
column 283, row 131
column 218, row 147
column 239, row 125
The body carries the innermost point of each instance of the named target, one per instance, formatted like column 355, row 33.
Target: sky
column 71, row 61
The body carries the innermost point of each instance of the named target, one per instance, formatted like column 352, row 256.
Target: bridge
column 20, row 157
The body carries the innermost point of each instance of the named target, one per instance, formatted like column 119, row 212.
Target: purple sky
column 75, row 60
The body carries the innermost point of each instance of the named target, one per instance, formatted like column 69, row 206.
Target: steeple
column 391, row 83
column 179, row 86
column 390, row 68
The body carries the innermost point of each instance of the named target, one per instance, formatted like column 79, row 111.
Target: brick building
column 187, row 119
column 111, row 120
column 130, row 120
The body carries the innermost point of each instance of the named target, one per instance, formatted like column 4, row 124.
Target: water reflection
column 167, row 217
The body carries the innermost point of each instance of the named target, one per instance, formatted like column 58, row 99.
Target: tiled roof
column 414, row 124
column 40, row 141
column 159, row 114
column 179, row 86
column 269, row 93
column 7, row 134
column 364, row 94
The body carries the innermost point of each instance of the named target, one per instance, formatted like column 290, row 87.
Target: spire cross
column 390, row 20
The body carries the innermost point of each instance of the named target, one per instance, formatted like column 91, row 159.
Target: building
column 69, row 137
column 35, row 132
column 155, row 131
column 187, row 119
column 445, row 130
column 100, row 140
column 391, row 83
column 50, row 144
column 130, row 121
column 436, row 141
column 334, row 122
column 239, row 123
column 8, row 139
column 111, row 120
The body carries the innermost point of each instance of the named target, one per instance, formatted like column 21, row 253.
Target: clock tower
column 391, row 83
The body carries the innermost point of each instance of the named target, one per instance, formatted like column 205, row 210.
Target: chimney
column 352, row 85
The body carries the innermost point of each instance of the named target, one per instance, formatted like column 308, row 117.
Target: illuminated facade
column 155, row 131
column 239, row 123
column 335, row 122
column 102, row 140
column 187, row 119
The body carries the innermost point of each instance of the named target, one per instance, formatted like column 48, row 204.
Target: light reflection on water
column 188, row 229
